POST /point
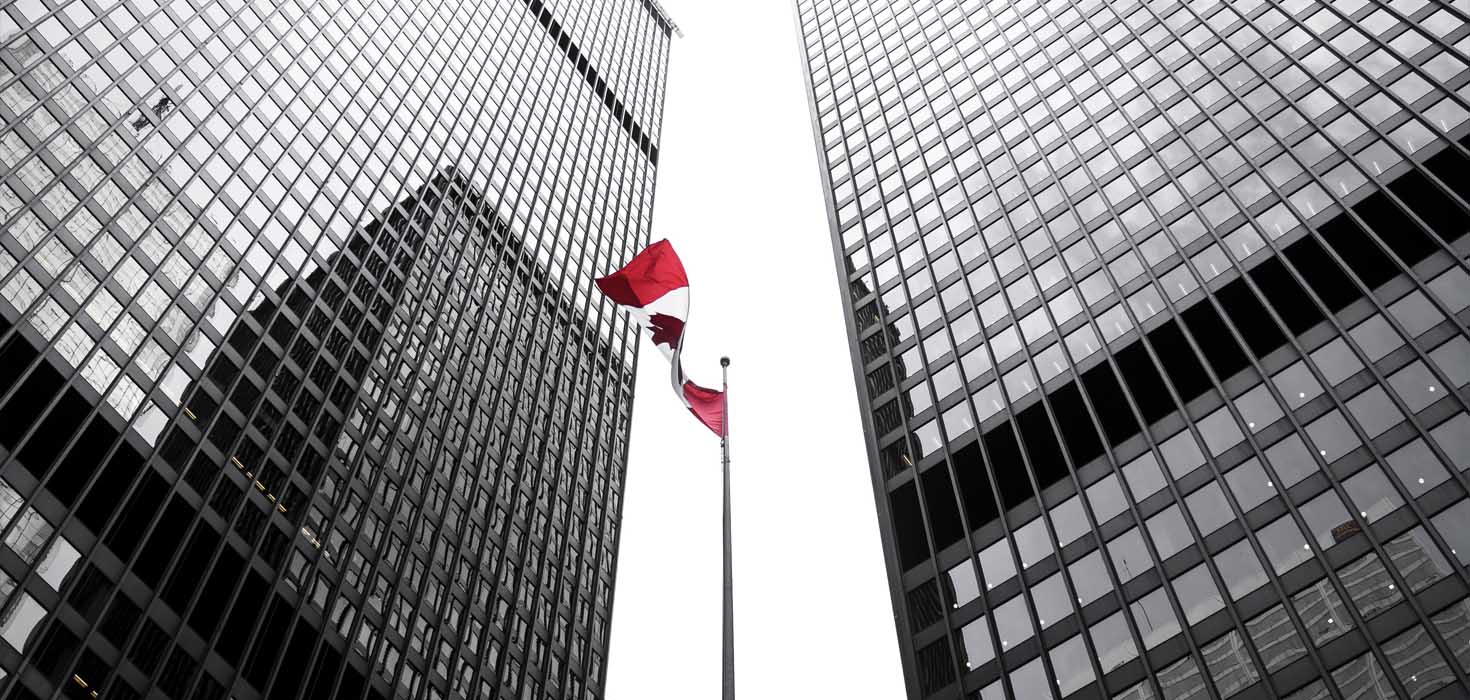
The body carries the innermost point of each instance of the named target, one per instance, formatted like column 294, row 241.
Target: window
column 1154, row 617
column 1417, row 559
column 19, row 624
column 1417, row 467
column 963, row 586
column 1284, row 544
column 1197, row 594
column 1250, row 484
column 1113, row 642
column 1240, row 569
column 1090, row 577
column 996, row 564
column 1073, row 669
column 1275, row 638
column 1209, row 508
column 1372, row 589
column 1328, row 520
column 1231, row 669
column 1050, row 597
column 1144, row 477
column 1291, row 460
column 1169, row 532
column 1322, row 611
column 1182, row 452
column 1371, row 493
column 1013, row 623
column 1129, row 555
column 1417, row 663
column 976, row 639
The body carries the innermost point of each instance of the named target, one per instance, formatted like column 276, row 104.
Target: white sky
column 740, row 198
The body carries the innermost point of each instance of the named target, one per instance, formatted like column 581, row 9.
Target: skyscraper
column 1158, row 318
column 303, row 392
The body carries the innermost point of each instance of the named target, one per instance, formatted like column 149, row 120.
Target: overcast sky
column 739, row 195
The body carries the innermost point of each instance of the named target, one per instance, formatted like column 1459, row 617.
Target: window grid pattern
column 1061, row 221
column 305, row 391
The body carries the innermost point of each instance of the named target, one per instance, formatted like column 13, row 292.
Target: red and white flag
column 655, row 290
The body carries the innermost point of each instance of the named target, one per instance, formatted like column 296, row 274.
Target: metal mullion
column 376, row 558
column 969, row 533
column 95, row 409
column 1414, row 166
column 1132, row 504
column 253, row 549
column 283, row 113
column 545, row 559
column 114, row 128
column 1045, row 514
column 132, row 152
column 1234, row 615
column 1251, row 439
column 1172, row 486
column 486, row 382
column 504, row 555
column 1380, row 380
column 1434, row 39
column 660, row 64
column 601, row 412
column 890, row 547
column 946, row 462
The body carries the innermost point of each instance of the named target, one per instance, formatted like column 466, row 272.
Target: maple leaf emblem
column 666, row 329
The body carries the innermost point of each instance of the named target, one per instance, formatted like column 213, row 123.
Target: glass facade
column 1158, row 317
column 304, row 391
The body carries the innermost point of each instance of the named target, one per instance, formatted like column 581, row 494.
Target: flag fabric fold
column 655, row 291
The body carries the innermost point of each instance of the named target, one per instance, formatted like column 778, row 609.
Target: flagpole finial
column 724, row 362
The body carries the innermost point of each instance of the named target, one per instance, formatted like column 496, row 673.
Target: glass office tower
column 1158, row 316
column 303, row 389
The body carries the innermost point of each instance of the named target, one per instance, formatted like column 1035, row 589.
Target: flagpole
column 729, row 636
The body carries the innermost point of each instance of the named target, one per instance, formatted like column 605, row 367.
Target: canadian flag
column 655, row 290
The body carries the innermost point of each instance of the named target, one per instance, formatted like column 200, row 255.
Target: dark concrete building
column 1158, row 318
column 304, row 391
